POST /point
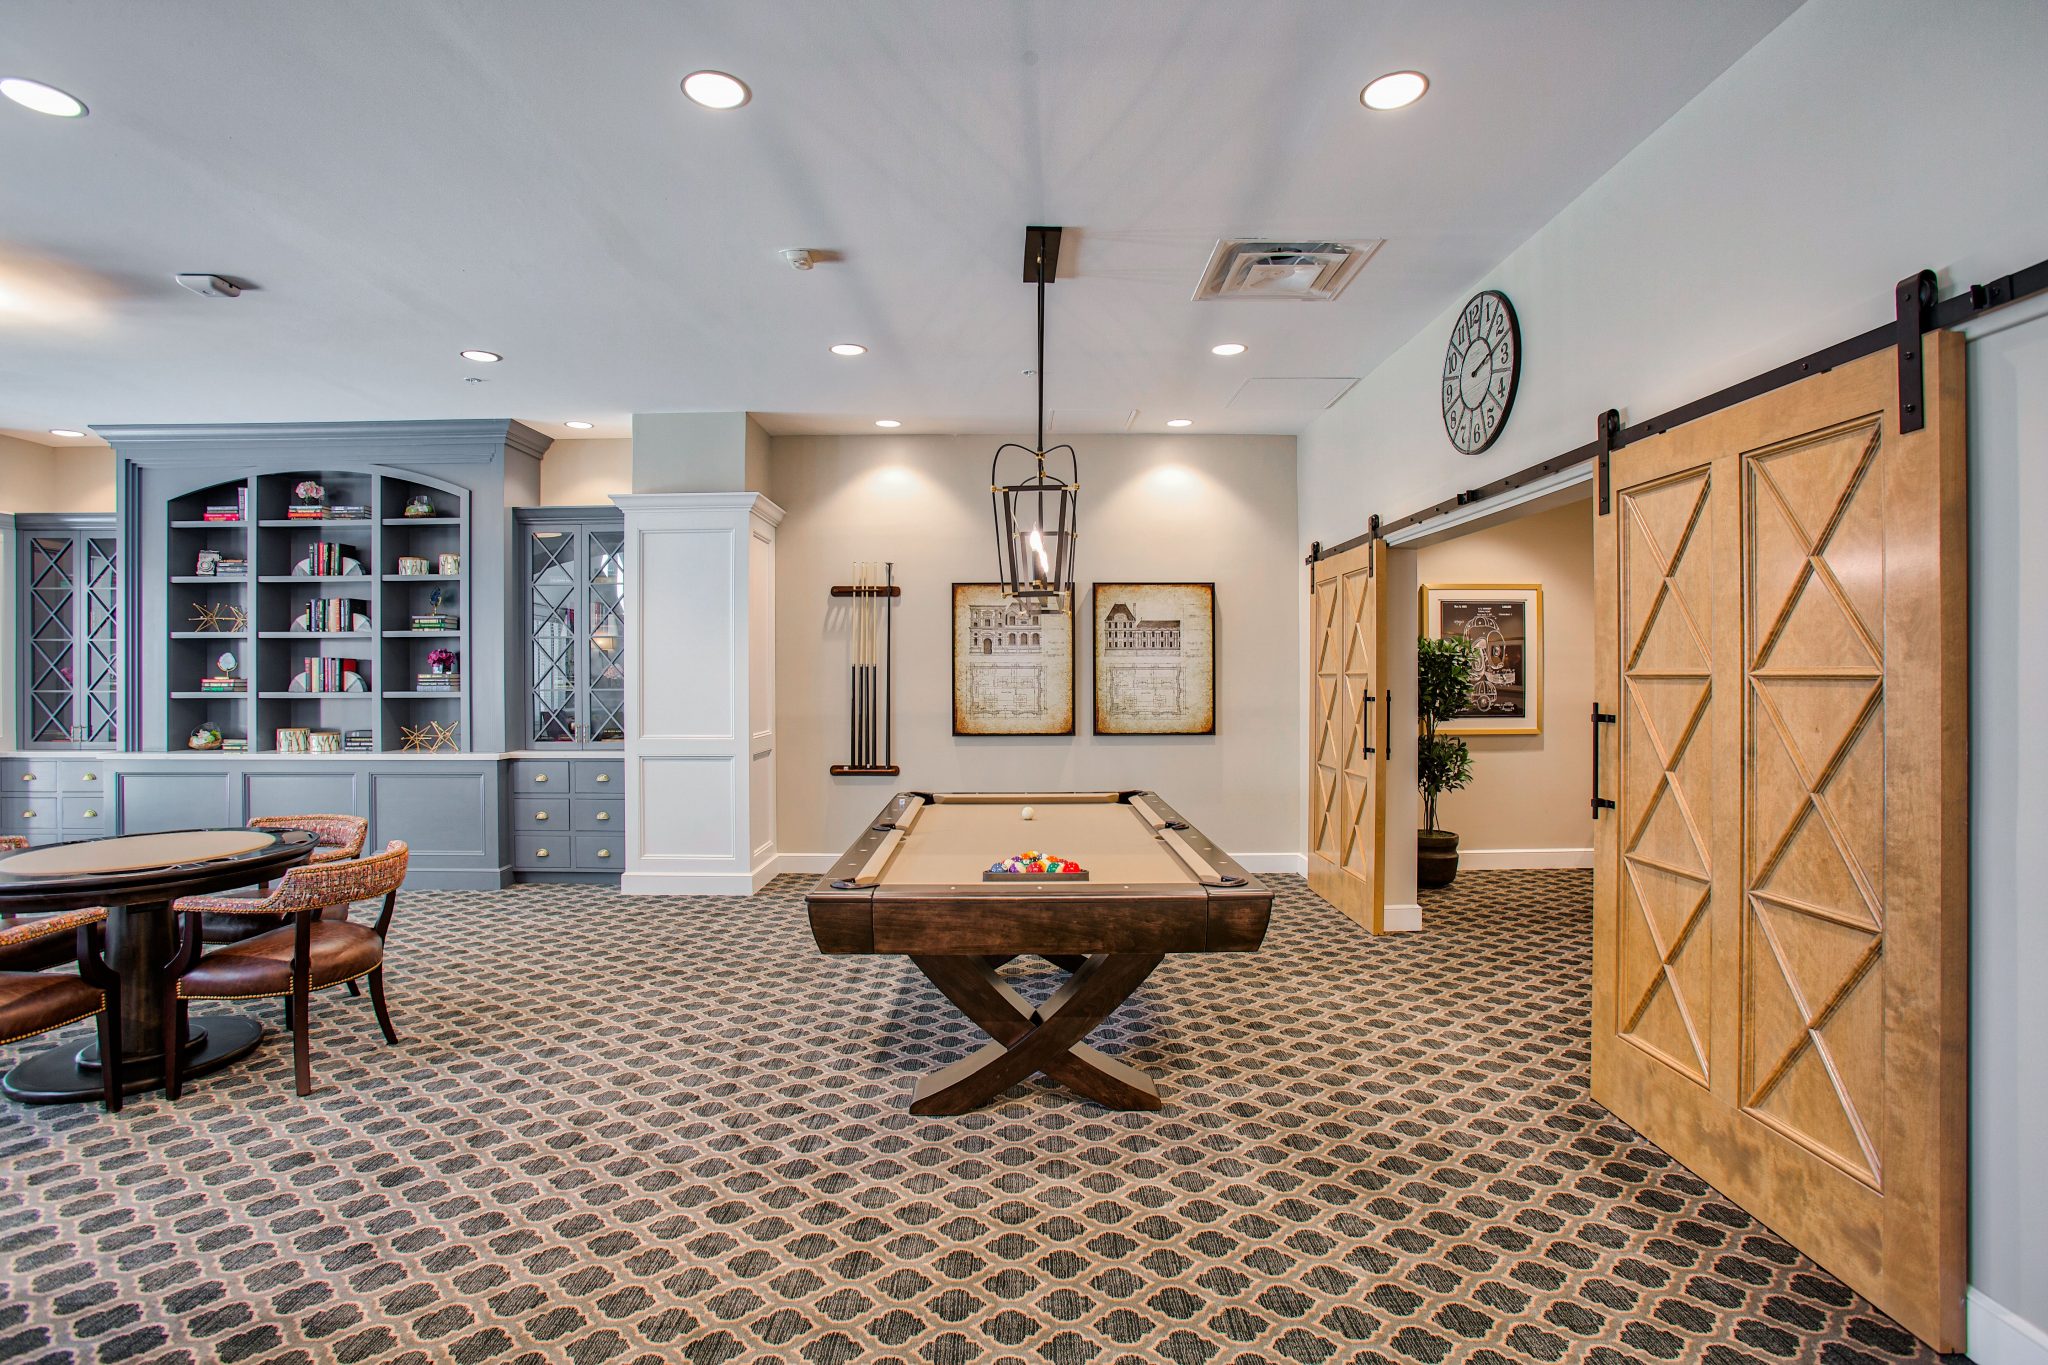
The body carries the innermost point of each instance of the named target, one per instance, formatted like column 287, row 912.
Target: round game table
column 137, row 877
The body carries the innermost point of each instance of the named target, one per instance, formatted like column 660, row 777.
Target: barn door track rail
column 1917, row 310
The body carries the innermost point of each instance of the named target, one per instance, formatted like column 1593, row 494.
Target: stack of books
column 313, row 511
column 439, row 682
column 231, row 567
column 231, row 745
column 356, row 741
column 237, row 511
column 329, row 675
column 435, row 620
column 223, row 682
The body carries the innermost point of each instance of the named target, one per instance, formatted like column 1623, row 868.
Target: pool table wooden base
column 1029, row 1040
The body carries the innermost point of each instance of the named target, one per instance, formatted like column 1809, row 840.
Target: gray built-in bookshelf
column 335, row 637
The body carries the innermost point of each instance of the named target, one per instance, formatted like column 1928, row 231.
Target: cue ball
column 1028, row 813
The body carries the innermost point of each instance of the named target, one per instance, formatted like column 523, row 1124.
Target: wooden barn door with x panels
column 1780, row 900
column 1348, row 720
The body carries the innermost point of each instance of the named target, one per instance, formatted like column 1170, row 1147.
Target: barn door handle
column 1600, row 718
column 1365, row 726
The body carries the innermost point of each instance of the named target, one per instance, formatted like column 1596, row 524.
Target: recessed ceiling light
column 483, row 357
column 1180, row 421
column 579, row 426
column 848, row 348
column 716, row 90
column 887, row 422
column 1395, row 90
column 44, row 99
column 1228, row 348
column 65, row 431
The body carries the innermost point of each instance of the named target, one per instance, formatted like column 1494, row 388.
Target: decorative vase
column 1436, row 857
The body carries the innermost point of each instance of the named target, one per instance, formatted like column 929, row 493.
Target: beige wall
column 1166, row 508
column 586, row 473
column 40, row 478
column 1527, row 805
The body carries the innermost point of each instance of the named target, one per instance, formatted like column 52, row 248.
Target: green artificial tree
column 1443, row 669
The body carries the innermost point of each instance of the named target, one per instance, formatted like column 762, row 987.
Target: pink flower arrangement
column 439, row 659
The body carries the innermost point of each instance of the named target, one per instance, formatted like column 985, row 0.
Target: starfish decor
column 432, row 737
column 223, row 619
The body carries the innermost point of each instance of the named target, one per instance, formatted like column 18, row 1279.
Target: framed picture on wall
column 1505, row 622
column 1155, row 658
column 1013, row 664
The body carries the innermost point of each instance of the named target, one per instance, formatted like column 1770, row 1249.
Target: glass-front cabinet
column 70, row 624
column 573, row 559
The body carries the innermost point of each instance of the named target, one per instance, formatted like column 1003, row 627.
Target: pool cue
column 889, row 673
column 867, row 681
column 853, row 676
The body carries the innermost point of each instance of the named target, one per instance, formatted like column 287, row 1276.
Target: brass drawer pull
column 28, row 815
column 604, row 853
column 92, row 815
column 92, row 777
column 604, row 777
column 540, row 853
column 28, row 777
column 540, row 815
column 604, row 815
column 540, row 777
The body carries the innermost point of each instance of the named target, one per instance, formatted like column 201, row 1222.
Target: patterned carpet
column 668, row 1130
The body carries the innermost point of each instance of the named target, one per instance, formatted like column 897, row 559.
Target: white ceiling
column 403, row 180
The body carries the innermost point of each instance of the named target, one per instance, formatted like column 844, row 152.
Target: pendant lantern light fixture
column 1036, row 517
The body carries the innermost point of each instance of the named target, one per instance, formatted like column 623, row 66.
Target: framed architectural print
column 1013, row 664
column 1505, row 622
column 1155, row 658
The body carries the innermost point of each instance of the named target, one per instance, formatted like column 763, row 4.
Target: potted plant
column 1443, row 685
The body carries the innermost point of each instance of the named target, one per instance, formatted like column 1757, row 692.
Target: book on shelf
column 440, row 622
column 357, row 741
column 438, row 682
column 231, row 745
column 348, row 512
column 330, row 675
column 227, row 566
column 312, row 512
column 223, row 682
column 328, row 616
column 235, row 511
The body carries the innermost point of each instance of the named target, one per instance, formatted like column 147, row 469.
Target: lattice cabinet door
column 574, row 679
column 70, row 623
column 1780, row 977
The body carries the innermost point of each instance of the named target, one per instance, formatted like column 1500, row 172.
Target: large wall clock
column 1482, row 366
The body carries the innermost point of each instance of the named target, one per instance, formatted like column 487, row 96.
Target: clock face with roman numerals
column 1481, row 367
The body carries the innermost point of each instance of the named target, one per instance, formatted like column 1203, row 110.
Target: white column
column 700, row 692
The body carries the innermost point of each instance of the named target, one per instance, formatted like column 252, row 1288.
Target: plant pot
column 1436, row 857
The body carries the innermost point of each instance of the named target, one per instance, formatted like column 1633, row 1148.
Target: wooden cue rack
column 871, row 676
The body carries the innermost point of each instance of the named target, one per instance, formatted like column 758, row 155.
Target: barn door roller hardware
column 1606, row 428
column 1917, row 310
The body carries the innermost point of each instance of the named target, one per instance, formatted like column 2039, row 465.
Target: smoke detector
column 1299, row 272
column 210, row 286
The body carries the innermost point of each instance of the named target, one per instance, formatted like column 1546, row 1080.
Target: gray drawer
column 28, row 775
column 86, row 816
column 600, row 853
column 542, row 852
column 605, row 777
column 540, row 814
column 540, row 776
column 21, row 814
column 599, row 815
column 82, row 775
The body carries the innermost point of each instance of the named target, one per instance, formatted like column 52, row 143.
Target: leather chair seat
column 253, row 967
column 36, row 1002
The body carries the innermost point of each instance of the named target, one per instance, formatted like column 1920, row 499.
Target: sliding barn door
column 1779, row 976
column 1348, row 719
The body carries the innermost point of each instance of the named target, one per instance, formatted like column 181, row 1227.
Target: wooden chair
column 30, row 952
column 33, row 1002
column 336, row 837
column 309, row 953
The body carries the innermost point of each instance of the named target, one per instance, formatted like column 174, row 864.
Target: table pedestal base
column 1029, row 1040
column 60, row 1075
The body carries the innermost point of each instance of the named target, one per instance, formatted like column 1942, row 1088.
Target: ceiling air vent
column 1303, row 272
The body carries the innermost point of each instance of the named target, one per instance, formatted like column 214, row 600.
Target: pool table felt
column 1159, row 907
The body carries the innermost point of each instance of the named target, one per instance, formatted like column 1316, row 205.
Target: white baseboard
column 1501, row 859
column 815, row 864
column 695, row 883
column 1403, row 919
column 1999, row 1336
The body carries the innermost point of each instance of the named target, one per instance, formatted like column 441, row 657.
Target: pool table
column 918, row 881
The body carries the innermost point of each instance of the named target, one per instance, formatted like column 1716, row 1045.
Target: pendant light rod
column 1041, row 267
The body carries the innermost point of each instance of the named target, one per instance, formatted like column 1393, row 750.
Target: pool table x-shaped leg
column 1027, row 1040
